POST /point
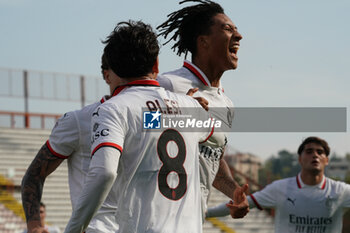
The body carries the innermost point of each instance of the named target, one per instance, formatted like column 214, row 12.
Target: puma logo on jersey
column 291, row 201
column 96, row 113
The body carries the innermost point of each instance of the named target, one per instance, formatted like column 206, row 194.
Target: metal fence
column 38, row 96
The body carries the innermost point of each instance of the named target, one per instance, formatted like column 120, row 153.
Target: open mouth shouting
column 233, row 50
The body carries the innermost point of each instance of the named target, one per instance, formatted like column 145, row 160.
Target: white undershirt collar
column 301, row 184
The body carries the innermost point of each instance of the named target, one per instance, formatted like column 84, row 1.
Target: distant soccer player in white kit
column 308, row 202
column 156, row 172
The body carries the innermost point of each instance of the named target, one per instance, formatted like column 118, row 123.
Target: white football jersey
column 158, row 175
column 303, row 208
column 180, row 81
column 70, row 139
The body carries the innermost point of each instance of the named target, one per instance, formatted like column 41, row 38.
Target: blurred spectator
column 50, row 229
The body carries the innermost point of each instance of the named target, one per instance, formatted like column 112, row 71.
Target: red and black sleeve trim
column 256, row 202
column 107, row 144
column 54, row 152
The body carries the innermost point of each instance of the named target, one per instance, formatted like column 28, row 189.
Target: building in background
column 338, row 169
column 245, row 166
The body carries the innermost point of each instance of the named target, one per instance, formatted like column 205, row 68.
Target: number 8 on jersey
column 172, row 164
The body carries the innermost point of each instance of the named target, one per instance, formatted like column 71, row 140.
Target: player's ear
column 327, row 161
column 106, row 76
column 202, row 41
column 155, row 68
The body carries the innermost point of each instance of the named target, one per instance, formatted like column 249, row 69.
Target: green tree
column 285, row 164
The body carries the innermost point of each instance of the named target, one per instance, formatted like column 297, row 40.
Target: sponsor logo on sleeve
column 98, row 133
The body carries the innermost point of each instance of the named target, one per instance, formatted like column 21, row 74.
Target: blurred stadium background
column 30, row 103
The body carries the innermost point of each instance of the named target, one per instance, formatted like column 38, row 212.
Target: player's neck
column 146, row 77
column 212, row 73
column 311, row 178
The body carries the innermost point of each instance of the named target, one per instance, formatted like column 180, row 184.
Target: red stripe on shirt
column 298, row 182
column 54, row 152
column 195, row 72
column 256, row 202
column 211, row 133
column 117, row 90
column 104, row 99
column 324, row 184
column 143, row 82
column 107, row 144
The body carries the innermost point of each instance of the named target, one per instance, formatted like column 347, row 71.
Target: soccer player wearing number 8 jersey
column 156, row 172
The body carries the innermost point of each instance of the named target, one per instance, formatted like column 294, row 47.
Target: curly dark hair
column 316, row 140
column 189, row 23
column 131, row 49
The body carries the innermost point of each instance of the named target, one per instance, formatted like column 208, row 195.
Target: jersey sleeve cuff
column 107, row 144
column 54, row 152
column 256, row 202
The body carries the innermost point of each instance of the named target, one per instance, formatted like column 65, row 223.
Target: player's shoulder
column 337, row 186
column 73, row 120
column 179, row 80
column 227, row 99
column 112, row 104
column 279, row 186
column 284, row 182
column 88, row 108
column 163, row 79
column 67, row 120
column 117, row 105
column 179, row 73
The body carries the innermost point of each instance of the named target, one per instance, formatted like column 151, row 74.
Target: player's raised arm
column 32, row 186
column 224, row 181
